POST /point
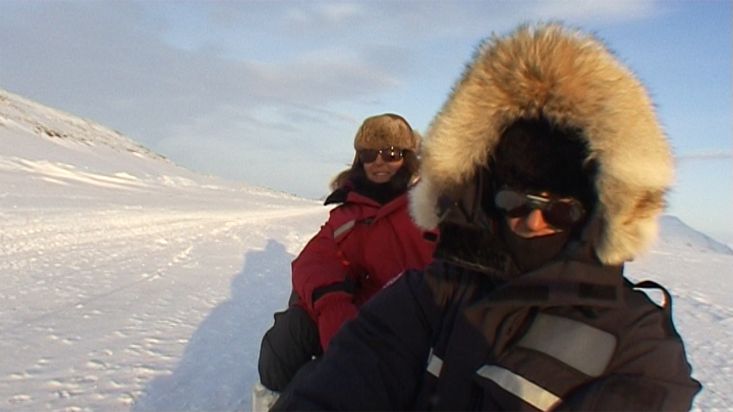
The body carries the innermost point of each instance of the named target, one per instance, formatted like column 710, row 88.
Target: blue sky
column 271, row 93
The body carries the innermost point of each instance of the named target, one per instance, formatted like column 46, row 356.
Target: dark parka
column 473, row 332
column 572, row 335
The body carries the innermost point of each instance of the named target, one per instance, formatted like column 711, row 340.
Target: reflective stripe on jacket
column 570, row 336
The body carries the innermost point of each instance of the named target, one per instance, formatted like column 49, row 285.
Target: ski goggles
column 559, row 212
column 388, row 154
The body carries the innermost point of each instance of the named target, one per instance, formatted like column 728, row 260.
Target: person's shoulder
column 355, row 207
column 409, row 281
column 643, row 313
column 343, row 214
column 338, row 196
column 347, row 215
column 406, row 295
column 638, row 298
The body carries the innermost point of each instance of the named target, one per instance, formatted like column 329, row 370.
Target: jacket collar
column 564, row 282
column 347, row 195
column 399, row 202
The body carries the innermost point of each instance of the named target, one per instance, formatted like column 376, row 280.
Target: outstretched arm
column 377, row 360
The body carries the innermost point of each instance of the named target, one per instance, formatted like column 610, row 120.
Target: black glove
column 289, row 344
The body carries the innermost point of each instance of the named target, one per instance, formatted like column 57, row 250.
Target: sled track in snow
column 72, row 249
column 22, row 235
column 68, row 245
column 98, row 303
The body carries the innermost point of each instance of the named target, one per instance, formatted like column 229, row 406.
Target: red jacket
column 362, row 247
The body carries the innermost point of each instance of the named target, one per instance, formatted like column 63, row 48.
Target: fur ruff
column 571, row 79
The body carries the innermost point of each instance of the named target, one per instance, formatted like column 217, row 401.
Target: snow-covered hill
column 48, row 154
column 674, row 233
column 30, row 117
column 127, row 282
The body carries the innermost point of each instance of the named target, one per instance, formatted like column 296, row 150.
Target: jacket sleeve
column 333, row 310
column 322, row 281
column 650, row 372
column 376, row 361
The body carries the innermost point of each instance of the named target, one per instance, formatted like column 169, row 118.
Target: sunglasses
column 388, row 154
column 559, row 212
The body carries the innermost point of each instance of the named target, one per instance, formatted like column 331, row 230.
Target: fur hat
column 378, row 132
column 571, row 80
column 386, row 130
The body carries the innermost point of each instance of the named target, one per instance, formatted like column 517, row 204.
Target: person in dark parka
column 545, row 171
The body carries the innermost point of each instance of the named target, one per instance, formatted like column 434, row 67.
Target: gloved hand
column 333, row 310
column 289, row 344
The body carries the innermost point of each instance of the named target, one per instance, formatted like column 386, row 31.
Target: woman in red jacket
column 368, row 241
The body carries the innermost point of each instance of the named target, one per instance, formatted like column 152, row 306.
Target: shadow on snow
column 219, row 365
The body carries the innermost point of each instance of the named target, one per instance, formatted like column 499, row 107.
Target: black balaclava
column 535, row 156
column 383, row 192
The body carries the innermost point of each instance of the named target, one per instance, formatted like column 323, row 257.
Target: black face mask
column 383, row 192
column 532, row 253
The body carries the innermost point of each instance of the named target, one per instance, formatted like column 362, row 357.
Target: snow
column 129, row 283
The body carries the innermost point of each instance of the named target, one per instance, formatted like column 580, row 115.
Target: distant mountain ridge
column 675, row 233
column 51, row 157
column 26, row 115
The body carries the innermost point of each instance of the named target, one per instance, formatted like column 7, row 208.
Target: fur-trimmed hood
column 572, row 80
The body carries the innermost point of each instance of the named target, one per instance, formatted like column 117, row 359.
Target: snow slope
column 128, row 283
column 675, row 234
